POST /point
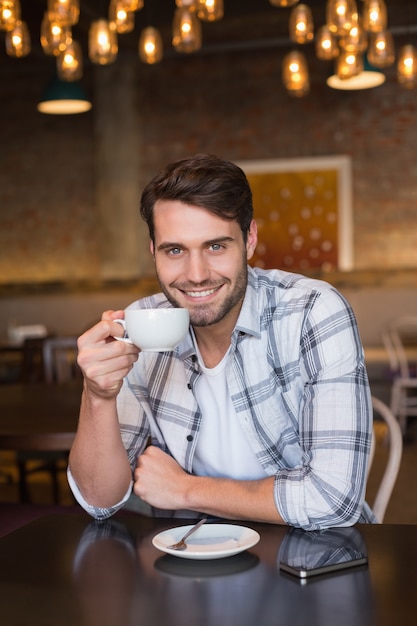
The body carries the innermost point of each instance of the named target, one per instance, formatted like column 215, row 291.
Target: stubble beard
column 207, row 314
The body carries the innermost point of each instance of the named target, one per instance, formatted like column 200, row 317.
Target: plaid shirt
column 297, row 381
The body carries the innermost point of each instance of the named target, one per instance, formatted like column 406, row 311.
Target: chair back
column 60, row 359
column 398, row 338
column 394, row 440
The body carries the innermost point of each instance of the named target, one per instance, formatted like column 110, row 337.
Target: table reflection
column 120, row 578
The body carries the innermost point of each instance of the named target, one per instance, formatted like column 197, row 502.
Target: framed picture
column 303, row 208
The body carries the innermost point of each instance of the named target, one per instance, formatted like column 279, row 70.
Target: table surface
column 39, row 415
column 65, row 570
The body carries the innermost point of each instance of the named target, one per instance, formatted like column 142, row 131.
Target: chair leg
column 24, row 496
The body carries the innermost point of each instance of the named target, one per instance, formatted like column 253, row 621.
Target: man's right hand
column 103, row 360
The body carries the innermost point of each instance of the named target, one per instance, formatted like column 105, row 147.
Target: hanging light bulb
column 210, row 10
column 123, row 19
column 69, row 64
column 54, row 36
column 326, row 44
column 186, row 30
column 295, row 73
column 341, row 15
column 348, row 64
column 353, row 72
column 9, row 14
column 356, row 40
column 283, row 3
column 150, row 45
column 66, row 12
column 407, row 66
column 18, row 40
column 102, row 42
column 301, row 25
column 381, row 51
column 131, row 5
column 374, row 15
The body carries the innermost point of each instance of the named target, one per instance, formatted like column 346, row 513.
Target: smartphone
column 311, row 553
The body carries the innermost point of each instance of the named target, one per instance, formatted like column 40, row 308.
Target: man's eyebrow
column 169, row 245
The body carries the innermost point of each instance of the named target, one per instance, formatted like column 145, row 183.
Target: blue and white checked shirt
column 298, row 382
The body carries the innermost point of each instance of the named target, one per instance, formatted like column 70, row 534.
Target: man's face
column 201, row 261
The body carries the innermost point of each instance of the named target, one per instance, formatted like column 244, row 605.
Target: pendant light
column 210, row 10
column 326, row 44
column 150, row 45
column 186, row 29
column 407, row 66
column 9, row 14
column 301, row 27
column 295, row 73
column 18, row 40
column 54, row 36
column 123, row 19
column 102, row 42
column 355, row 74
column 65, row 12
column 381, row 52
column 69, row 63
column 64, row 98
column 374, row 15
column 341, row 15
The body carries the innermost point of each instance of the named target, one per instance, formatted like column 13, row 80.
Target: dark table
column 66, row 570
column 39, row 416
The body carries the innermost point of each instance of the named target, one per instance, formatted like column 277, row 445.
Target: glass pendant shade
column 102, row 42
column 374, row 15
column 54, row 36
column 186, row 30
column 123, row 19
column 407, row 66
column 326, row 44
column 356, row 40
column 283, row 3
column 210, row 10
column 301, row 25
column 18, row 40
column 64, row 98
column 130, row 5
column 66, row 12
column 150, row 46
column 9, row 14
column 381, row 51
column 341, row 15
column 69, row 64
column 295, row 74
column 348, row 64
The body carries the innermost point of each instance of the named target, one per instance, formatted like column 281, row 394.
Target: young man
column 262, row 412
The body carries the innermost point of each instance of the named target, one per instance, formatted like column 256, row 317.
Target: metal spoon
column 181, row 545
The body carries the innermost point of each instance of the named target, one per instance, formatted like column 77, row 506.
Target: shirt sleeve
column 98, row 513
column 327, row 488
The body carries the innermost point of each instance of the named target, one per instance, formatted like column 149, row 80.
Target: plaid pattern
column 298, row 382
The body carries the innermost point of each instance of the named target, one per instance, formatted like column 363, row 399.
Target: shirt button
column 190, row 437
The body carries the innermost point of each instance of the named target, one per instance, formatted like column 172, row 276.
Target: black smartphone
column 309, row 553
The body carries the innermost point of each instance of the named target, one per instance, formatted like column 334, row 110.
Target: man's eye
column 216, row 246
column 175, row 251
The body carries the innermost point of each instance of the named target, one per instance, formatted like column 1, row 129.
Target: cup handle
column 125, row 338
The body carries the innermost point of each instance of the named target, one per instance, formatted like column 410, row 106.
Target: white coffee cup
column 155, row 330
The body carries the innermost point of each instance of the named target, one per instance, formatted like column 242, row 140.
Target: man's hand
column 159, row 480
column 103, row 360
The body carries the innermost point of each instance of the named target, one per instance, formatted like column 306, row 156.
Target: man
column 261, row 413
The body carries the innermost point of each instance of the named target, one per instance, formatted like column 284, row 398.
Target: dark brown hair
column 203, row 180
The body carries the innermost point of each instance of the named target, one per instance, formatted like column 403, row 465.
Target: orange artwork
column 303, row 211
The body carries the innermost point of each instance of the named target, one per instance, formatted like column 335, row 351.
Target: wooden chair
column 394, row 440
column 400, row 341
column 59, row 358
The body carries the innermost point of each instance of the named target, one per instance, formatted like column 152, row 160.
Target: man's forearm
column 98, row 460
column 233, row 499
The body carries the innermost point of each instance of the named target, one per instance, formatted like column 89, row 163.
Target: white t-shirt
column 222, row 446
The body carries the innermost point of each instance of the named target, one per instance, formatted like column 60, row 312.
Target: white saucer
column 211, row 541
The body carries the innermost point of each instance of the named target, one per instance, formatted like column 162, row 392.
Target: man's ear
column 252, row 240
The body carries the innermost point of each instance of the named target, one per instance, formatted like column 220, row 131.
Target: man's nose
column 198, row 268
